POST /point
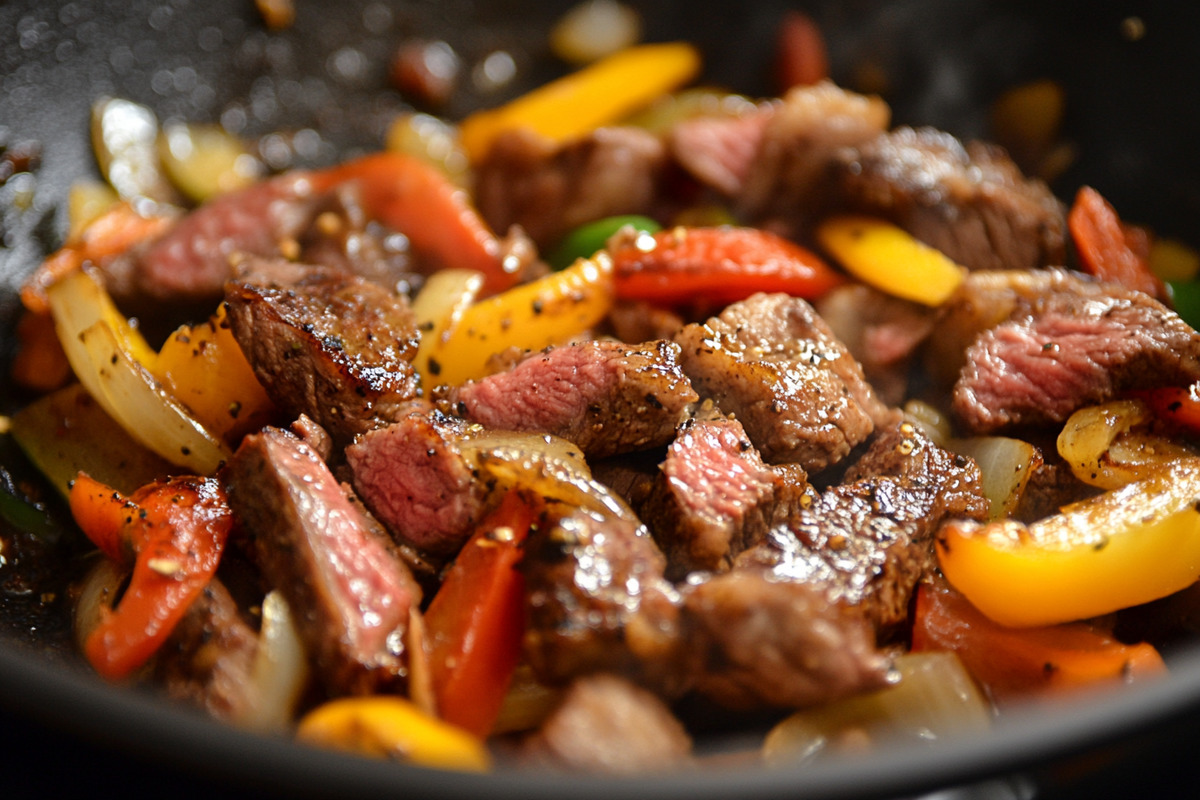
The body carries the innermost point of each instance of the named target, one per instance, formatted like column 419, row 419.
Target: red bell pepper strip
column 176, row 529
column 419, row 201
column 722, row 264
column 475, row 622
column 1178, row 406
column 1019, row 663
column 801, row 58
column 1109, row 249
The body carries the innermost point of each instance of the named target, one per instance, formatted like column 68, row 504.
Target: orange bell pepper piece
column 1017, row 663
column 176, row 530
column 1109, row 249
column 475, row 622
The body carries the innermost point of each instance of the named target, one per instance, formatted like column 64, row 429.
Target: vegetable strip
column 597, row 95
column 722, row 264
column 1106, row 247
column 422, row 203
column 475, row 621
column 177, row 528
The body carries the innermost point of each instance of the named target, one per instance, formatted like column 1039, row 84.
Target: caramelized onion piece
column 280, row 671
column 1109, row 445
column 935, row 699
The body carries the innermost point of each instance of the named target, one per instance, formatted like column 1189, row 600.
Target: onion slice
column 1005, row 466
column 107, row 365
column 547, row 465
column 280, row 670
column 934, row 700
column 437, row 308
column 1109, row 445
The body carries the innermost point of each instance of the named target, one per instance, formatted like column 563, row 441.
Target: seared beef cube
column 944, row 484
column 865, row 544
column 713, row 497
column 191, row 262
column 763, row 642
column 352, row 594
column 970, row 202
column 208, row 661
column 1078, row 344
column 548, row 189
column 773, row 363
column 606, row 397
column 414, row 478
column 605, row 724
column 597, row 600
column 719, row 149
column 326, row 344
column 788, row 178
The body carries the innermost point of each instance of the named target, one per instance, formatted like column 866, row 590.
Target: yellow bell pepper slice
column 889, row 258
column 386, row 726
column 204, row 368
column 1123, row 548
column 438, row 308
column 549, row 311
column 599, row 94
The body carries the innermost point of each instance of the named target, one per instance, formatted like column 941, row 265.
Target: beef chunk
column 605, row 724
column 788, row 177
column 775, row 365
column 317, row 547
column 971, row 202
column 597, row 600
column 606, row 397
column 191, row 262
column 547, row 190
column 209, row 659
column 713, row 497
column 414, row 478
column 984, row 300
column 326, row 344
column 943, row 484
column 719, row 149
column 1078, row 343
column 761, row 642
column 864, row 544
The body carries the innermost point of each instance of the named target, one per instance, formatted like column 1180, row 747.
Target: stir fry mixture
column 580, row 430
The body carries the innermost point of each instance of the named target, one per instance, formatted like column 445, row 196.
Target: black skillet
column 1132, row 78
